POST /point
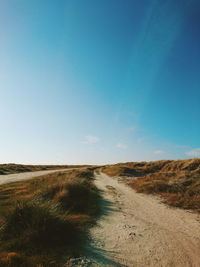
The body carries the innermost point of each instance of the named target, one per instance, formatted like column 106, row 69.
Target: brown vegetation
column 178, row 182
column 17, row 168
column 45, row 221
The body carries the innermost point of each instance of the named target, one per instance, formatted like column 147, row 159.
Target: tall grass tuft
column 39, row 226
column 48, row 221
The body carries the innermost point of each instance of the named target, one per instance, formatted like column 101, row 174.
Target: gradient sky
column 99, row 81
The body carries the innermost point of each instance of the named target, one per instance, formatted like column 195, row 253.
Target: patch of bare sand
column 138, row 230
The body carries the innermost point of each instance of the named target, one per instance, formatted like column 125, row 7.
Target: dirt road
column 4, row 179
column 138, row 230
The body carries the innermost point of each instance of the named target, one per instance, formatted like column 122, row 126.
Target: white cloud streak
column 158, row 152
column 193, row 153
column 121, row 146
column 91, row 139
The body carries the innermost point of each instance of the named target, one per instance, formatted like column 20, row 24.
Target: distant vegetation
column 45, row 221
column 178, row 182
column 17, row 168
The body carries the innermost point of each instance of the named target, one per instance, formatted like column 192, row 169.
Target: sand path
column 138, row 230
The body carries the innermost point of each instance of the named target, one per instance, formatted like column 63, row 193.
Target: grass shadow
column 97, row 255
column 106, row 206
column 102, row 257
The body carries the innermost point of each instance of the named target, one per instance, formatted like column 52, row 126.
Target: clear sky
column 99, row 81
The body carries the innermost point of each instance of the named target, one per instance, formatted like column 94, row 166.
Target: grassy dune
column 178, row 182
column 45, row 221
column 17, row 168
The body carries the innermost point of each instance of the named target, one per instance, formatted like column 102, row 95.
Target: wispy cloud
column 121, row 146
column 91, row 139
column 193, row 153
column 158, row 152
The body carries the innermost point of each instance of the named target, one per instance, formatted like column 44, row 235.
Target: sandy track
column 5, row 179
column 138, row 230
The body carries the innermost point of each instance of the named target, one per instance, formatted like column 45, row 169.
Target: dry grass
column 17, row 168
column 46, row 220
column 178, row 182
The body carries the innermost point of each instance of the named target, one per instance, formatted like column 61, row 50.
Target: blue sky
column 99, row 81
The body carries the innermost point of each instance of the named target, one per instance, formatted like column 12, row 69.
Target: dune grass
column 177, row 181
column 177, row 191
column 45, row 221
column 17, row 168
